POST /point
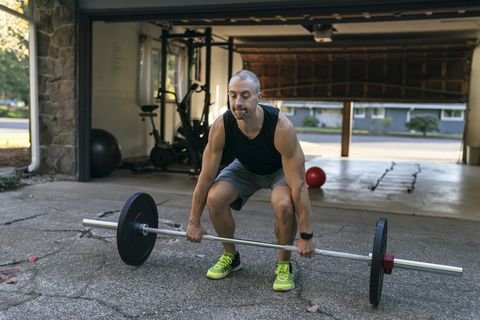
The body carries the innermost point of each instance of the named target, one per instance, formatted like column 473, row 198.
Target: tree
column 423, row 123
column 13, row 76
column 14, row 52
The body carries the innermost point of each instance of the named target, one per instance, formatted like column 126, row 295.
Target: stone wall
column 56, row 34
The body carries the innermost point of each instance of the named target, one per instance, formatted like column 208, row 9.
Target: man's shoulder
column 284, row 125
column 216, row 134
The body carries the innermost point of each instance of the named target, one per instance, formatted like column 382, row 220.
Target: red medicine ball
column 315, row 177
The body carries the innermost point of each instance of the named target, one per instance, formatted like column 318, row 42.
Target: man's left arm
column 293, row 161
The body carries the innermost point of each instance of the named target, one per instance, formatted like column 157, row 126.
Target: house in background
column 376, row 117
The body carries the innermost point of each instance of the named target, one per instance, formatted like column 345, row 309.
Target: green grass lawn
column 9, row 112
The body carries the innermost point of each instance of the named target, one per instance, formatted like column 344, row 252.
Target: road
column 14, row 124
column 14, row 133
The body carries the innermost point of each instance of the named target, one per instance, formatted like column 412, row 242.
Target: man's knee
column 215, row 201
column 284, row 211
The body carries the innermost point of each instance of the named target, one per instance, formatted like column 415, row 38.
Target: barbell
column 137, row 230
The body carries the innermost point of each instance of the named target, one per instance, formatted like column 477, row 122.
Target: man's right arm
column 212, row 156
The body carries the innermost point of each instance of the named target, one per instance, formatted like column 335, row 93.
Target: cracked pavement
column 79, row 275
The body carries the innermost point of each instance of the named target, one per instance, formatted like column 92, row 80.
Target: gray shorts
column 247, row 183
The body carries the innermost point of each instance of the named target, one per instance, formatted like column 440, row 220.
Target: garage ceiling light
column 322, row 33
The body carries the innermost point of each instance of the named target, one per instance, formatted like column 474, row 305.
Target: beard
column 240, row 113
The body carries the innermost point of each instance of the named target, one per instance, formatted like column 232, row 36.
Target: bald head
column 248, row 76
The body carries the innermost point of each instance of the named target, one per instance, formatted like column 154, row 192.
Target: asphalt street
column 11, row 123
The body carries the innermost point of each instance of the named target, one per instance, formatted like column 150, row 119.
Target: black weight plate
column 162, row 157
column 376, row 268
column 134, row 247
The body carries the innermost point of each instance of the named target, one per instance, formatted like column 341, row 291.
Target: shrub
column 310, row 121
column 423, row 123
column 7, row 183
column 386, row 122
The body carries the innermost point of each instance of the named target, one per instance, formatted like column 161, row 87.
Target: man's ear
column 259, row 95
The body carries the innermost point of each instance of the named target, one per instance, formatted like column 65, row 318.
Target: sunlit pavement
column 13, row 138
column 446, row 151
column 14, row 133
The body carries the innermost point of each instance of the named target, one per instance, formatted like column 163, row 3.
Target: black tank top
column 257, row 155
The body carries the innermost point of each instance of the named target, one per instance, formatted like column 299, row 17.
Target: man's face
column 243, row 99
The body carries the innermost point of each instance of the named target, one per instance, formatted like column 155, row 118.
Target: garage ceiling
column 380, row 50
column 350, row 19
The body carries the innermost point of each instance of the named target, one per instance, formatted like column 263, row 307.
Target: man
column 267, row 155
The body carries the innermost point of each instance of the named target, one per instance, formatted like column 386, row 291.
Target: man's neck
column 251, row 127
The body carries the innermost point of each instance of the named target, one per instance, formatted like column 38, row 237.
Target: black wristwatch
column 306, row 236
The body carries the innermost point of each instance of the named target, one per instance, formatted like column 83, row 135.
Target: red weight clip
column 388, row 263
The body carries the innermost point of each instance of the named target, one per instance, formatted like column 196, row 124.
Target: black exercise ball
column 105, row 154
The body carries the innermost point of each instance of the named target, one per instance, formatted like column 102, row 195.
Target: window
column 359, row 113
column 452, row 115
column 156, row 73
column 378, row 113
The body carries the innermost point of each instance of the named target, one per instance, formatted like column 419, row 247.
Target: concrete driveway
column 79, row 275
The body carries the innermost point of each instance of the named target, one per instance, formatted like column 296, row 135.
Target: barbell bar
column 398, row 263
column 145, row 229
column 138, row 226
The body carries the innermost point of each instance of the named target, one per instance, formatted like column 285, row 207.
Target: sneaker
column 226, row 264
column 284, row 279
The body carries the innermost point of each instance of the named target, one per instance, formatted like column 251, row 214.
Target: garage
column 99, row 62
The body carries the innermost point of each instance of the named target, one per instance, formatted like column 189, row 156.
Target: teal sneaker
column 226, row 264
column 284, row 279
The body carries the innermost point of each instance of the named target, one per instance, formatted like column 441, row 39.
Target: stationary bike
column 162, row 154
column 190, row 138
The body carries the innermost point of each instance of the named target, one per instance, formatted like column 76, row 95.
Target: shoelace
column 224, row 262
column 283, row 271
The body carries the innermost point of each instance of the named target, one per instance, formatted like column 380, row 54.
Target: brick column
column 57, row 85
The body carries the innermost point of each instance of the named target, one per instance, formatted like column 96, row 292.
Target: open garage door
column 396, row 73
